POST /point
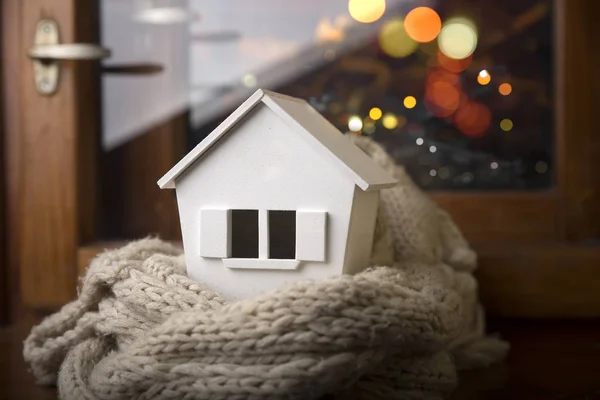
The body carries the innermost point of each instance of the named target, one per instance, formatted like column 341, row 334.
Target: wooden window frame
column 537, row 256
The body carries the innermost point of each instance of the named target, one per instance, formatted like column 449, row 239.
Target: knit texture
column 141, row 329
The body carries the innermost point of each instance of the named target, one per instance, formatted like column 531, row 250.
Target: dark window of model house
column 282, row 235
column 244, row 233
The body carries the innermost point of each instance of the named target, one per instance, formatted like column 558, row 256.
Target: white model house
column 273, row 195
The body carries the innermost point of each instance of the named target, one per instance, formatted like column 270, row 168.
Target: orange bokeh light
column 452, row 65
column 505, row 89
column 484, row 78
column 473, row 119
column 423, row 24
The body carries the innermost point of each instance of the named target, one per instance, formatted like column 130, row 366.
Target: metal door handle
column 70, row 51
column 48, row 52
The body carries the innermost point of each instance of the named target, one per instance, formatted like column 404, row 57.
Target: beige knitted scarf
column 140, row 329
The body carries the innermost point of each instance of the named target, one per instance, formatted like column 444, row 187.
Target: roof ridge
column 300, row 117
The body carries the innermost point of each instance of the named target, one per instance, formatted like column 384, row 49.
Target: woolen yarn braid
column 140, row 329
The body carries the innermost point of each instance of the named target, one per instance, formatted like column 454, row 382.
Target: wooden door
column 55, row 167
column 51, row 146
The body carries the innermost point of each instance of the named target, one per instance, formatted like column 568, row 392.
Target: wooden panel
column 11, row 74
column 506, row 217
column 55, row 169
column 578, row 102
column 545, row 280
column 133, row 204
column 3, row 265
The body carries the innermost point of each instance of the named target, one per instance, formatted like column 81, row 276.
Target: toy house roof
column 319, row 133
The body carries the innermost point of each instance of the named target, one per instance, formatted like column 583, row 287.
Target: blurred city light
column 458, row 38
column 366, row 11
column 423, row 24
column 505, row 89
column 389, row 121
column 410, row 102
column 394, row 39
column 355, row 123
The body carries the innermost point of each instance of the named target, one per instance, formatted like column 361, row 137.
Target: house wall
column 361, row 231
column 261, row 164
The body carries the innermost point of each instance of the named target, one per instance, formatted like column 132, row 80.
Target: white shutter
column 215, row 237
column 310, row 235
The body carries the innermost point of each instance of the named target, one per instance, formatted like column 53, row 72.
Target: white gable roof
column 319, row 133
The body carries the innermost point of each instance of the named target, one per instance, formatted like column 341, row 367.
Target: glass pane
column 458, row 91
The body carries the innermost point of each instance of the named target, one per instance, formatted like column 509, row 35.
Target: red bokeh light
column 442, row 93
column 472, row 118
column 442, row 75
column 452, row 65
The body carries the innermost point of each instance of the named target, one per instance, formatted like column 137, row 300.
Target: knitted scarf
column 141, row 329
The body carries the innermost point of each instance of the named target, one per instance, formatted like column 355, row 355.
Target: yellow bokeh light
column 458, row 39
column 366, row 11
column 375, row 113
column 505, row 89
column 506, row 125
column 410, row 102
column 394, row 40
column 390, row 121
column 355, row 123
column 484, row 77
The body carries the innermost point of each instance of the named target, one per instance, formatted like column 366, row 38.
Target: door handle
column 70, row 51
column 48, row 52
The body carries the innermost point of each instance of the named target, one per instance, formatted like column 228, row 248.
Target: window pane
column 482, row 122
column 461, row 94
column 282, row 235
column 244, row 233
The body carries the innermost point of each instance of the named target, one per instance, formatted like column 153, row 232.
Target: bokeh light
column 458, row 39
column 484, row 77
column 394, row 40
column 249, row 80
column 389, row 121
column 423, row 24
column 452, row 65
column 442, row 92
column 410, row 102
column 355, row 123
column 473, row 119
column 505, row 89
column 494, row 165
column 432, row 149
column 444, row 96
column 444, row 173
column 419, row 141
column 369, row 127
column 402, row 120
column 506, row 124
column 375, row 113
column 366, row 11
column 541, row 167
